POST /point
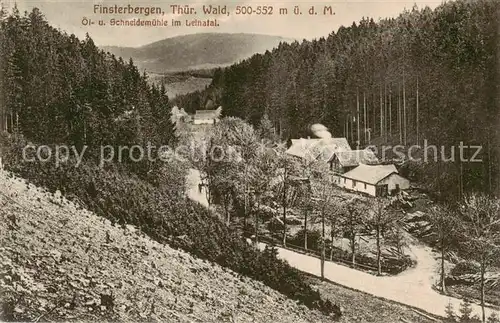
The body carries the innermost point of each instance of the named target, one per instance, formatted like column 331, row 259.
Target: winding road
column 412, row 287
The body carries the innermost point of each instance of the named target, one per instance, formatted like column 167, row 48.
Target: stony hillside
column 61, row 262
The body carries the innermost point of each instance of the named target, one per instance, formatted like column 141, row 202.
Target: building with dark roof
column 344, row 161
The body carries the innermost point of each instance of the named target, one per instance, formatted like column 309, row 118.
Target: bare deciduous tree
column 353, row 220
column 445, row 224
column 480, row 215
column 380, row 218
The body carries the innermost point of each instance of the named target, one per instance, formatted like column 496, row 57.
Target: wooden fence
column 313, row 253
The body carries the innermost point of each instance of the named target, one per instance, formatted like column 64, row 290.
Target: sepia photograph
column 282, row 161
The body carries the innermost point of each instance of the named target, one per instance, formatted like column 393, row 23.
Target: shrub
column 392, row 266
column 266, row 213
column 275, row 225
column 494, row 318
column 450, row 313
column 464, row 268
column 465, row 311
column 291, row 220
column 313, row 239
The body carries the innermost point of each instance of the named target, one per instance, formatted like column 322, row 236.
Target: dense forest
column 57, row 89
column 426, row 75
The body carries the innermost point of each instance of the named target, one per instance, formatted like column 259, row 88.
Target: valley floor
column 412, row 287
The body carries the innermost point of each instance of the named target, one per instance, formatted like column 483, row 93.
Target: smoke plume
column 321, row 131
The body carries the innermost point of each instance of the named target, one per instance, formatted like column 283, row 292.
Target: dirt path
column 413, row 287
column 424, row 273
column 193, row 189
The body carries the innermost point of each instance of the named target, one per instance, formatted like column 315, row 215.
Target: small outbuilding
column 374, row 180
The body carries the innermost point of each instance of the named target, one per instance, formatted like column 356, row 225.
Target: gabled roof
column 206, row 114
column 355, row 157
column 370, row 174
column 319, row 149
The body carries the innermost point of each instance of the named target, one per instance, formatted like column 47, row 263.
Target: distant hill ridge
column 194, row 51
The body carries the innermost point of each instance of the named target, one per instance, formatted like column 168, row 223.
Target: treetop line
column 398, row 81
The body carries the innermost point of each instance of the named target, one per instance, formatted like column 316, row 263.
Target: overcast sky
column 67, row 15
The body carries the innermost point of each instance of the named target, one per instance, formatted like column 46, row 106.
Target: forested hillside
column 425, row 75
column 56, row 88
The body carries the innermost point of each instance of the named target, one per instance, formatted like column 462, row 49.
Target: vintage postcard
column 252, row 161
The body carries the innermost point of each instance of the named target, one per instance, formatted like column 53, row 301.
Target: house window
column 353, row 183
column 344, row 180
column 365, row 186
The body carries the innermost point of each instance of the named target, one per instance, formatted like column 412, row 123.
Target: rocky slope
column 61, row 262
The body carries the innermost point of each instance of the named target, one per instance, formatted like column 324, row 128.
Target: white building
column 207, row 116
column 317, row 152
column 374, row 180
